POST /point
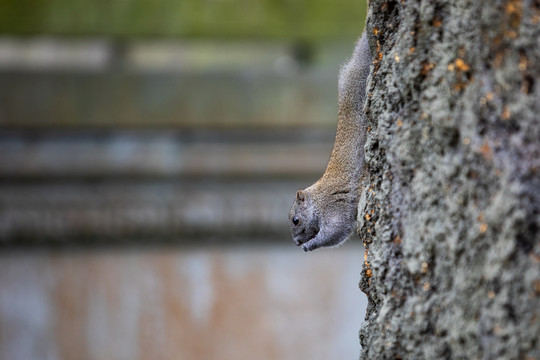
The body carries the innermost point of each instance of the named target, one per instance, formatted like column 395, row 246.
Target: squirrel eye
column 295, row 220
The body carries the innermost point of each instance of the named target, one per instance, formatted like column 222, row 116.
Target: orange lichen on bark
column 514, row 10
column 377, row 58
column 483, row 225
column 486, row 151
column 460, row 86
column 379, row 52
column 366, row 264
column 512, row 34
column 437, row 22
column 461, row 65
column 458, row 65
column 523, row 62
column 483, row 228
column 537, row 287
column 426, row 68
column 499, row 56
column 505, row 115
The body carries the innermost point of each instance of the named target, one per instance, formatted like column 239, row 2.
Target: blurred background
column 149, row 153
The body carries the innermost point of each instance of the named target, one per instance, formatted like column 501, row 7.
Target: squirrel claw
column 309, row 246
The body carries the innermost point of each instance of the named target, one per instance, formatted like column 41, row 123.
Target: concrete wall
column 162, row 186
column 269, row 303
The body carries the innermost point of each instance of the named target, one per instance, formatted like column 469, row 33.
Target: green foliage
column 281, row 19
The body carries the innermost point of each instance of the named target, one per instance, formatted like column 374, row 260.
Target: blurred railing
column 153, row 186
column 101, row 153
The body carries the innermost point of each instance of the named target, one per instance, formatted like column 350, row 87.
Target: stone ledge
column 115, row 98
column 163, row 154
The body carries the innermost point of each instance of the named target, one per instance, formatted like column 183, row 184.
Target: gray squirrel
column 324, row 213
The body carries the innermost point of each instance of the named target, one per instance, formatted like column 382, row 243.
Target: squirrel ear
column 300, row 195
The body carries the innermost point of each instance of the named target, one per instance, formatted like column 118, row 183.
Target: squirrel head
column 303, row 219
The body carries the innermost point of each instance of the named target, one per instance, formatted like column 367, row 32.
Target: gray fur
column 324, row 213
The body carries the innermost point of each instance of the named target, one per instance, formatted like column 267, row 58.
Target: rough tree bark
column 450, row 202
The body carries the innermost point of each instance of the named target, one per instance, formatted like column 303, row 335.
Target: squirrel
column 324, row 213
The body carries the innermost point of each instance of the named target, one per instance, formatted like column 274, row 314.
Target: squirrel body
column 324, row 213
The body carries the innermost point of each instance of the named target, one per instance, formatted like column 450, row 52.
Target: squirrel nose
column 295, row 220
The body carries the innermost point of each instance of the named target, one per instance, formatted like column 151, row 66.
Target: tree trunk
column 450, row 201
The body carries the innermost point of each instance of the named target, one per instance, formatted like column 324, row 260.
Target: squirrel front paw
column 310, row 245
